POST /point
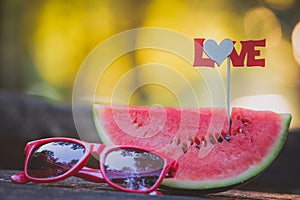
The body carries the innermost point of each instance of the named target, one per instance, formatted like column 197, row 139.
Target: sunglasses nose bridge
column 96, row 148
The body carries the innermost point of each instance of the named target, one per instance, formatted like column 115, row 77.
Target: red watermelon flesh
column 196, row 137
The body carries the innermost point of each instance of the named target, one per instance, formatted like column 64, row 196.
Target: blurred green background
column 43, row 43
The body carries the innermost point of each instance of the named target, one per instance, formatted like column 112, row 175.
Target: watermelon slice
column 197, row 138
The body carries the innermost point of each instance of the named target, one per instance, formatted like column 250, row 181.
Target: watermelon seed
column 197, row 141
column 184, row 148
column 220, row 139
column 239, row 130
column 134, row 121
column 146, row 132
column 223, row 133
column 204, row 143
column 245, row 121
column 197, row 146
column 212, row 140
column 178, row 141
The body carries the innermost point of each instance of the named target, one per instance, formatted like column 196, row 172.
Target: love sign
column 218, row 53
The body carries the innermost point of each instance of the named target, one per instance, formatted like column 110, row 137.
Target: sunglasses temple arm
column 90, row 174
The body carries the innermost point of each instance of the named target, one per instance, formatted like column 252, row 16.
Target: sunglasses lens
column 54, row 159
column 133, row 169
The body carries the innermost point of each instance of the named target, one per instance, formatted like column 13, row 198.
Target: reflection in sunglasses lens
column 54, row 159
column 133, row 169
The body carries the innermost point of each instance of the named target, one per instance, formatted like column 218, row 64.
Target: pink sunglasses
column 127, row 168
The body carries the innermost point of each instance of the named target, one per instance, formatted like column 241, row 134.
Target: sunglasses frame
column 91, row 174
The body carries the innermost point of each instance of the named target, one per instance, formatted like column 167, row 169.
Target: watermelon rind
column 99, row 127
column 253, row 171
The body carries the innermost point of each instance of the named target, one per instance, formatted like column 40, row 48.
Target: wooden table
column 75, row 188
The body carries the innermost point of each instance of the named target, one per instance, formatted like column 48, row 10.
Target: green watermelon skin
column 196, row 138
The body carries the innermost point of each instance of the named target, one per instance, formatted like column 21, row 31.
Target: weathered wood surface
column 75, row 188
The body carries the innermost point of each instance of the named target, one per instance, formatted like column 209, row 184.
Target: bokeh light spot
column 296, row 42
column 280, row 4
column 260, row 23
